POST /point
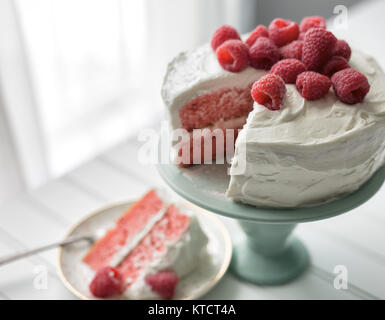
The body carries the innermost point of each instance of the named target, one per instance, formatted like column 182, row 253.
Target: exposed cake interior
column 167, row 230
column 139, row 237
column 222, row 109
column 127, row 227
column 152, row 236
column 221, row 105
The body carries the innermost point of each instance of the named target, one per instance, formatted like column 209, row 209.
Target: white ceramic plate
column 210, row 270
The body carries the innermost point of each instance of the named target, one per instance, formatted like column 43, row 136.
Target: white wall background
column 10, row 180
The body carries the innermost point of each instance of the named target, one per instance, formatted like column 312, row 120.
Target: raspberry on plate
column 283, row 31
column 350, row 86
column 222, row 34
column 335, row 64
column 259, row 31
column 263, row 53
column 292, row 50
column 318, row 47
column 343, row 49
column 233, row 55
column 288, row 69
column 312, row 85
column 163, row 283
column 269, row 91
column 312, row 22
column 107, row 282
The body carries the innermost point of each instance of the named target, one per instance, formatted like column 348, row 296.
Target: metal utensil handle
column 28, row 252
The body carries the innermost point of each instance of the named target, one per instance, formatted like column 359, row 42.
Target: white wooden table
column 355, row 240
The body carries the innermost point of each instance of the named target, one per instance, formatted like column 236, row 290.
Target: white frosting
column 130, row 245
column 311, row 152
column 308, row 152
column 182, row 257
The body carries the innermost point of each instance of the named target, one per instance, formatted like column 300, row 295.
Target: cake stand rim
column 275, row 215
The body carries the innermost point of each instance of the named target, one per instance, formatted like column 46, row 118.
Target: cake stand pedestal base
column 268, row 254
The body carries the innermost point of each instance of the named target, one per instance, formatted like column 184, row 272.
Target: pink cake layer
column 169, row 230
column 220, row 105
column 193, row 152
column 222, row 109
column 130, row 224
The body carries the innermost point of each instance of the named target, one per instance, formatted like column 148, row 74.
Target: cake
column 152, row 245
column 316, row 139
column 196, row 82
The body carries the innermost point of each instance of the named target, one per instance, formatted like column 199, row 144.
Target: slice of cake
column 310, row 130
column 152, row 241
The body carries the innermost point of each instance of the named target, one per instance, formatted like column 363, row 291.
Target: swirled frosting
column 311, row 152
column 312, row 122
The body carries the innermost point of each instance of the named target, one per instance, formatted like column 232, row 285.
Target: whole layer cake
column 312, row 148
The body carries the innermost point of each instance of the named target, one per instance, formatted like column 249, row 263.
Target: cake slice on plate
column 150, row 247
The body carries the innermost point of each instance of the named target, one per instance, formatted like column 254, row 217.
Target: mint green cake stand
column 268, row 254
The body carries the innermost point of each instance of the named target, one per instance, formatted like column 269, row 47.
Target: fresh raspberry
column 313, row 85
column 350, row 86
column 312, row 22
column 163, row 283
column 335, row 64
column 263, row 53
column 107, row 282
column 288, row 69
column 318, row 47
column 301, row 36
column 343, row 49
column 283, row 31
column 269, row 91
column 222, row 34
column 233, row 55
column 259, row 31
column 293, row 50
